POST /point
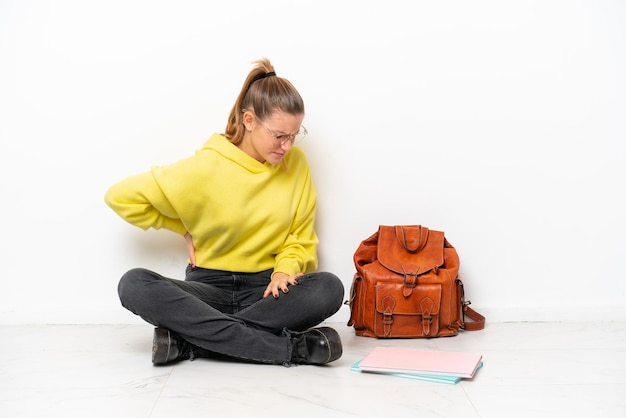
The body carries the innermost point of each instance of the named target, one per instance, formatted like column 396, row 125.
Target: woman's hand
column 281, row 282
column 190, row 249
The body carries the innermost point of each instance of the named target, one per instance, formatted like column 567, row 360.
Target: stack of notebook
column 430, row 365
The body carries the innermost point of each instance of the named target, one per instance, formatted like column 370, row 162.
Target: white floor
column 530, row 370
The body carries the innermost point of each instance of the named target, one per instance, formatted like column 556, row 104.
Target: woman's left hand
column 281, row 282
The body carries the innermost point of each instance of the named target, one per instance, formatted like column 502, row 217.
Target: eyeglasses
column 282, row 138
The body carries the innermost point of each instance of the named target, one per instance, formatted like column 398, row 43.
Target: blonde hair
column 263, row 92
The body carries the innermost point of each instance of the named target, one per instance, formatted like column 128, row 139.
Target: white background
column 498, row 122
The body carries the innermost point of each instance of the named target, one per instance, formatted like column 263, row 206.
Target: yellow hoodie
column 243, row 215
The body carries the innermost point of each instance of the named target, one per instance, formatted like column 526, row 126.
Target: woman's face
column 269, row 140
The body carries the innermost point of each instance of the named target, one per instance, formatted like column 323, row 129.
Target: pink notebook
column 430, row 362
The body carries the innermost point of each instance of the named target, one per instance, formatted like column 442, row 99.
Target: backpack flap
column 410, row 251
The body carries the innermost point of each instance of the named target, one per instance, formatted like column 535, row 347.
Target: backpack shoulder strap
column 478, row 321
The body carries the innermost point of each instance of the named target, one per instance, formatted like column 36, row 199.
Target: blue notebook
column 450, row 380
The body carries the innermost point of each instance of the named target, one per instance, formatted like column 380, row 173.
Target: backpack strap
column 478, row 321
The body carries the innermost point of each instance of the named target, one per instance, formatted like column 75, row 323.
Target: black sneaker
column 168, row 347
column 316, row 346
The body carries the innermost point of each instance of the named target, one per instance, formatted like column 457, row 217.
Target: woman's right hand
column 191, row 250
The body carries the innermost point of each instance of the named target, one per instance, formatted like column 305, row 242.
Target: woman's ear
column 248, row 120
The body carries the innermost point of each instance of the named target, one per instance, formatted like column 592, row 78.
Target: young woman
column 245, row 205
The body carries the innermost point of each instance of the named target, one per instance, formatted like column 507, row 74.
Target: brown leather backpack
column 407, row 286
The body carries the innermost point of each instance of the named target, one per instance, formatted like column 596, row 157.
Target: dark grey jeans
column 224, row 312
